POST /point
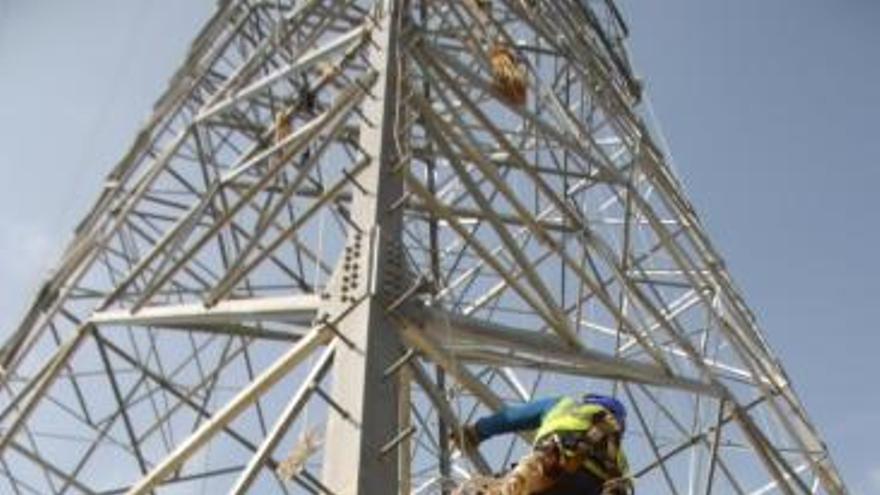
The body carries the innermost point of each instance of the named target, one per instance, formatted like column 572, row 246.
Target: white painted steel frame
column 236, row 285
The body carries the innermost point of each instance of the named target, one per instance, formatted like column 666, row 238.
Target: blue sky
column 770, row 109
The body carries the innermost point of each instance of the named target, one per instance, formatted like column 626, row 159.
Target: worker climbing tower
column 348, row 228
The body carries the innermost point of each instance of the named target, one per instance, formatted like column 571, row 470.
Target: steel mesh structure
column 338, row 238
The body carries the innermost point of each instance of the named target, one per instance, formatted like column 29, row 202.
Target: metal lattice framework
column 337, row 229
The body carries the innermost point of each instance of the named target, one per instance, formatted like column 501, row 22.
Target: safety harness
column 588, row 430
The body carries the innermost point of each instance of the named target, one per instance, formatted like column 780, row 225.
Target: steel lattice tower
column 336, row 226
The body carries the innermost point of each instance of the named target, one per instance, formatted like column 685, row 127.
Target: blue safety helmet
column 610, row 404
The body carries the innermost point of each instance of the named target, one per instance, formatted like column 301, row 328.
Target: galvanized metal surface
column 334, row 198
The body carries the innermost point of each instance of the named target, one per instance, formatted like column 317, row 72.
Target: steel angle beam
column 298, row 310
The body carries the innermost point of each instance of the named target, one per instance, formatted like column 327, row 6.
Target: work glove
column 465, row 439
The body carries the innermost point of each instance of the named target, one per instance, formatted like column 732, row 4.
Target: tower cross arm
column 460, row 334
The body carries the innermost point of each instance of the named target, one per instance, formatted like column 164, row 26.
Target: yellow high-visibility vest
column 569, row 415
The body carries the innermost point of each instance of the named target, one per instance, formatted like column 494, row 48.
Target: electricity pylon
column 349, row 227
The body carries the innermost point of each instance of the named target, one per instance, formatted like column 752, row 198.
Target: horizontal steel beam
column 454, row 330
column 298, row 309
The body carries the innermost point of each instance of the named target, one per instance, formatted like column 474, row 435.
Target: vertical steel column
column 353, row 461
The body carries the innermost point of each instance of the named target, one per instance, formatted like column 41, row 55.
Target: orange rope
column 509, row 77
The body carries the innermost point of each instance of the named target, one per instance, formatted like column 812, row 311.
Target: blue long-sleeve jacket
column 520, row 417
column 529, row 416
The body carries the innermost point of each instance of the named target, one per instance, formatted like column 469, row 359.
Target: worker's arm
column 511, row 419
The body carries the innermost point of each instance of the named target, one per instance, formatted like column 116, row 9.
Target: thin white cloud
column 874, row 478
column 27, row 252
column 25, row 249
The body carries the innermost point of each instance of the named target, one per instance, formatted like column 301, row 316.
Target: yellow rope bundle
column 508, row 76
column 308, row 445
column 327, row 70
